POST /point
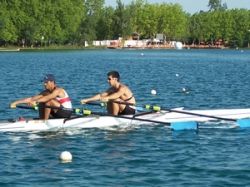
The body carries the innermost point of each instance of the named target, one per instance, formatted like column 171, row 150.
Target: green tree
column 104, row 29
column 135, row 10
column 172, row 21
column 241, row 27
column 216, row 5
column 122, row 21
column 93, row 11
column 198, row 27
column 8, row 32
column 36, row 23
column 33, row 21
column 148, row 21
column 69, row 15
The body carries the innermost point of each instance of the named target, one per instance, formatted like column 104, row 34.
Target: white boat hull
column 108, row 121
column 56, row 124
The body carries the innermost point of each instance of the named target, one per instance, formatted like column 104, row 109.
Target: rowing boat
column 177, row 119
column 91, row 121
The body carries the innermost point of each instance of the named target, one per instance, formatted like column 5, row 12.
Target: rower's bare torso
column 126, row 96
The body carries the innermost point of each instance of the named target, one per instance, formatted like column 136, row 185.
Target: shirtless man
column 117, row 92
column 52, row 96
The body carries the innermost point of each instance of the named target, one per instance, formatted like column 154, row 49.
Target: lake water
column 149, row 155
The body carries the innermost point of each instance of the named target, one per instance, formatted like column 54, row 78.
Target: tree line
column 72, row 22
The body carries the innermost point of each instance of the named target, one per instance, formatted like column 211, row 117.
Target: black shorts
column 60, row 113
column 127, row 110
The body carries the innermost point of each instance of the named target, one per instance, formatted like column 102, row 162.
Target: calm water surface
column 130, row 156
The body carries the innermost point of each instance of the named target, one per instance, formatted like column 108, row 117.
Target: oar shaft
column 201, row 115
column 130, row 118
column 157, row 108
column 174, row 126
column 52, row 107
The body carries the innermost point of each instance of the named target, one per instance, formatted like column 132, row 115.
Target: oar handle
column 27, row 107
column 75, row 110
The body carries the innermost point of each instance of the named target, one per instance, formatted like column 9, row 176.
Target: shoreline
column 187, row 47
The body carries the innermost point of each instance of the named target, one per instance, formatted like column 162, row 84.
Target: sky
column 192, row 6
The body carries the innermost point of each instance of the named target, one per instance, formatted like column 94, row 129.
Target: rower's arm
column 48, row 97
column 36, row 97
column 95, row 97
column 25, row 100
column 114, row 95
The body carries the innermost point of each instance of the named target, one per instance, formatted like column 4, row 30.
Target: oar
column 27, row 107
column 74, row 110
column 243, row 123
column 83, row 112
column 173, row 125
column 191, row 125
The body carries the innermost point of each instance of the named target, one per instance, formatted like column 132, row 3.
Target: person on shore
column 52, row 102
column 119, row 97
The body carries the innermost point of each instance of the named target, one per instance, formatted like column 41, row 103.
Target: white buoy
column 66, row 156
column 142, row 54
column 178, row 45
column 185, row 90
column 153, row 92
column 177, row 75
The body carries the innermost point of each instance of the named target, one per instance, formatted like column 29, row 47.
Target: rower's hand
column 13, row 105
column 84, row 101
column 32, row 103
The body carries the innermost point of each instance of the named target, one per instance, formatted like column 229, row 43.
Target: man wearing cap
column 53, row 101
